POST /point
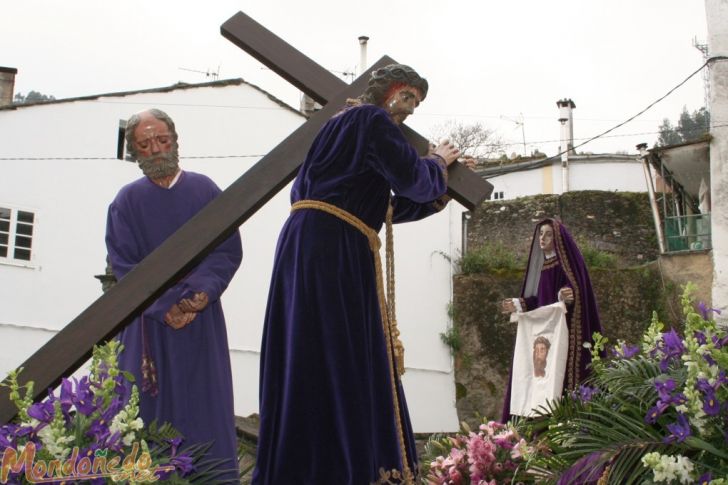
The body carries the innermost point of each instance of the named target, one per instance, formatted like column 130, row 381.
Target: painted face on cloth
column 402, row 103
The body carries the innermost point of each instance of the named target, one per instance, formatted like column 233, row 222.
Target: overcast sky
column 487, row 61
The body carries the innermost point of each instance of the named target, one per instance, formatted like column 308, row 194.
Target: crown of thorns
column 386, row 76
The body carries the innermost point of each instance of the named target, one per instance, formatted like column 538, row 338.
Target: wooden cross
column 103, row 319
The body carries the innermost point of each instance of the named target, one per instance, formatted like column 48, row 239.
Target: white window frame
column 10, row 259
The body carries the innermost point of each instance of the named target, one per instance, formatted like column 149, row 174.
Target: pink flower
column 455, row 476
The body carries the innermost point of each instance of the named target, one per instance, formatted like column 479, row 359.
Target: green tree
column 32, row 97
column 689, row 127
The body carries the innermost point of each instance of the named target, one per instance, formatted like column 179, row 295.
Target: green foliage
column 490, row 258
column 32, row 97
column 689, row 127
column 624, row 421
column 452, row 339
column 596, row 258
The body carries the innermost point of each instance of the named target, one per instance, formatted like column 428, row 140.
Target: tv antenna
column 519, row 122
column 706, row 72
column 211, row 74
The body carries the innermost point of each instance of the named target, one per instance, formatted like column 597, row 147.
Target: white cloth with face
column 541, row 330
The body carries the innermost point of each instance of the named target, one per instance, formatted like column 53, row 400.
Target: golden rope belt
column 395, row 349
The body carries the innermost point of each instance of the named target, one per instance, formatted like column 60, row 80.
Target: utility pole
column 716, row 12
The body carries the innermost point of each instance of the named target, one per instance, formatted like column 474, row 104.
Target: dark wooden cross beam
column 72, row 346
column 464, row 185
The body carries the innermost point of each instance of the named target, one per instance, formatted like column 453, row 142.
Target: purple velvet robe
column 544, row 278
column 194, row 380
column 327, row 406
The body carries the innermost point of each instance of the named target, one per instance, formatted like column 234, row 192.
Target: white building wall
column 70, row 199
column 584, row 174
column 613, row 176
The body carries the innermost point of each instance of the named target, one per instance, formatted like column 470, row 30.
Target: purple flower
column 705, row 478
column 174, row 445
column 711, row 405
column 183, row 463
column 99, row 430
column 664, row 389
column 700, row 337
column 655, row 412
column 586, row 393
column 678, row 431
column 671, row 347
column 626, row 351
column 10, row 433
column 42, row 411
column 705, row 312
column 719, row 342
column 84, row 398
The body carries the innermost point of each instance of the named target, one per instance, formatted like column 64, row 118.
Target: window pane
column 4, row 213
column 4, row 226
column 24, row 229
column 3, row 251
column 22, row 241
column 25, row 216
column 23, row 254
column 3, row 239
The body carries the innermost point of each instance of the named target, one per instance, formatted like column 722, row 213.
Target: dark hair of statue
column 386, row 76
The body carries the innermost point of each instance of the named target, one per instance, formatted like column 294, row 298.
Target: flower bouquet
column 650, row 413
column 91, row 432
column 494, row 455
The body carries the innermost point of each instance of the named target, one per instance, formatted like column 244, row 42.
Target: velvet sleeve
column 406, row 210
column 124, row 255
column 420, row 180
column 214, row 273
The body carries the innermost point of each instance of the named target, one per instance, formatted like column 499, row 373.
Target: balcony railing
column 687, row 233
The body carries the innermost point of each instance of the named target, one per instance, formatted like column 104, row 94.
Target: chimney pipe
column 362, row 53
column 7, row 85
column 566, row 119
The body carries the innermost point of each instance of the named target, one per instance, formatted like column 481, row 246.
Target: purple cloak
column 541, row 284
column 327, row 398
column 194, row 380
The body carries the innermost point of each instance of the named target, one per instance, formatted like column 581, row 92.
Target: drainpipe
column 642, row 147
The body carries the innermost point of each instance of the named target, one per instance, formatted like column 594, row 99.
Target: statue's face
column 152, row 137
column 402, row 103
column 546, row 238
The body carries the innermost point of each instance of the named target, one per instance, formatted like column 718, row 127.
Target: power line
column 114, row 158
column 600, row 135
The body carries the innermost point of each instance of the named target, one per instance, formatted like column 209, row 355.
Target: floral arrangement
column 91, row 430
column 491, row 456
column 650, row 413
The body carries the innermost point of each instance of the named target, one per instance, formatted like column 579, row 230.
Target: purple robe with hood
column 193, row 375
column 332, row 408
column 544, row 278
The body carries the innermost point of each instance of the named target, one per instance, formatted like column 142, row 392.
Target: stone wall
column 619, row 223
column 626, row 299
column 616, row 222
